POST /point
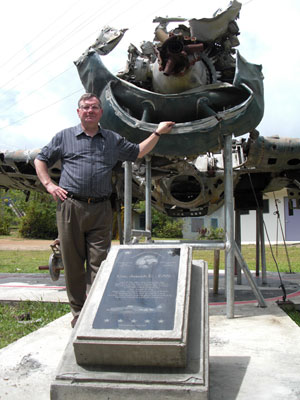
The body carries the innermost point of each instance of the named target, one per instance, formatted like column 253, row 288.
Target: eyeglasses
column 94, row 108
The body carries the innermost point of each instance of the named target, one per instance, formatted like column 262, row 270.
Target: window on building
column 214, row 223
column 142, row 221
column 266, row 209
column 244, row 212
column 197, row 224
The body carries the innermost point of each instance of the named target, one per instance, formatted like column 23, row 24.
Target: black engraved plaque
column 141, row 291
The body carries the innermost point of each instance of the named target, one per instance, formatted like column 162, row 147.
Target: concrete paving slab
column 35, row 287
column 255, row 355
column 28, row 365
column 40, row 287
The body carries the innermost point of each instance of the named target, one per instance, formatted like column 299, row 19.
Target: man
column 87, row 153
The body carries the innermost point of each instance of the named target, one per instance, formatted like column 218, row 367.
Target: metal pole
column 148, row 107
column 249, row 277
column 281, row 228
column 257, row 242
column 262, row 248
column 127, row 202
column 148, row 196
column 229, row 226
column 216, row 271
column 238, row 241
column 119, row 220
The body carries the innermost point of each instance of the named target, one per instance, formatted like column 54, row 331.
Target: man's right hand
column 56, row 191
column 42, row 172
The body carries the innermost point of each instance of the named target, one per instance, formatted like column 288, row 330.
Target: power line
column 59, row 100
column 39, row 34
column 245, row 4
column 41, row 109
column 36, row 89
column 8, row 145
column 57, row 44
column 33, row 52
column 62, row 54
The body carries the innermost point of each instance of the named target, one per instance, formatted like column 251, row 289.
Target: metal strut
column 282, row 233
column 127, row 201
column 271, row 249
column 229, row 228
column 130, row 233
column 232, row 251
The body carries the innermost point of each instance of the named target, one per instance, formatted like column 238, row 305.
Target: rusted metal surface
column 188, row 186
column 204, row 85
column 17, row 170
column 55, row 264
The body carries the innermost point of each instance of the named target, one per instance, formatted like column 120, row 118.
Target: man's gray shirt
column 87, row 162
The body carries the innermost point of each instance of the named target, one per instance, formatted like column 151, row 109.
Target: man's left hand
column 165, row 127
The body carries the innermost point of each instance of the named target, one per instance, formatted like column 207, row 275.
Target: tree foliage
column 5, row 222
column 7, row 216
column 163, row 226
column 39, row 221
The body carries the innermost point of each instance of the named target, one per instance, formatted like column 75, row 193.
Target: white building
column 272, row 217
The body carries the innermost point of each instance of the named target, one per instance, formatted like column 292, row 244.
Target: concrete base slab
column 28, row 365
column 76, row 382
column 255, row 355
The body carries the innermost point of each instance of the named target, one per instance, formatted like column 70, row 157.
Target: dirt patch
column 24, row 244
column 29, row 244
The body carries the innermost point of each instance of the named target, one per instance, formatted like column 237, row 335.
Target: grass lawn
column 13, row 318
column 20, row 319
column 28, row 261
column 23, row 261
column 294, row 315
column 249, row 254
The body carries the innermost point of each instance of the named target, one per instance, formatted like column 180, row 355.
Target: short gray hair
column 87, row 96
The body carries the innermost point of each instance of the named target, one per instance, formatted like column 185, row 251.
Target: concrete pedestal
column 75, row 382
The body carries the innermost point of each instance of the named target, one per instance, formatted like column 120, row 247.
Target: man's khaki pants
column 84, row 231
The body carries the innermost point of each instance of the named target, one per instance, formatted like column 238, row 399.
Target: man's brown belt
column 87, row 199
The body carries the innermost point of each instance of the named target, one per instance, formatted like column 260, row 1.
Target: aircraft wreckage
column 188, row 75
column 190, row 188
column 194, row 76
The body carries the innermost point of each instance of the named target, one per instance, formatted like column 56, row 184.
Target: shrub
column 4, row 225
column 163, row 226
column 168, row 229
column 211, row 234
column 40, row 219
column 6, row 218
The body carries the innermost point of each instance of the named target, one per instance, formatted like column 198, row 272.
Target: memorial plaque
column 120, row 381
column 138, row 307
column 141, row 291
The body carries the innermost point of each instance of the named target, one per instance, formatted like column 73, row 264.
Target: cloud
column 268, row 34
column 40, row 86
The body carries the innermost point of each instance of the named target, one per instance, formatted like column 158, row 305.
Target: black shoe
column 74, row 320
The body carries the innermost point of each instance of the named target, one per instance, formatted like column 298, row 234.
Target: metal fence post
column 148, row 221
column 127, row 202
column 229, row 226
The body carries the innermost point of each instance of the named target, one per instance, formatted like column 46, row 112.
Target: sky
column 40, row 86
